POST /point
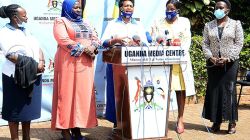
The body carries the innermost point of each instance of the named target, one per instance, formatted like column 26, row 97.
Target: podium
column 142, row 84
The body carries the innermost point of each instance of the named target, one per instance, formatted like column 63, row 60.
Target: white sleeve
column 108, row 32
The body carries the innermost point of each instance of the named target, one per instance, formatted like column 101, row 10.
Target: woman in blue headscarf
column 73, row 104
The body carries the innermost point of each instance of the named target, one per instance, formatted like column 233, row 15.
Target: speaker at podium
column 142, row 81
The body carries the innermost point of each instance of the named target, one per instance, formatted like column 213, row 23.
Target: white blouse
column 17, row 41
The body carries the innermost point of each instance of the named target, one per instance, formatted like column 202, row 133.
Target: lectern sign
column 142, row 78
column 154, row 55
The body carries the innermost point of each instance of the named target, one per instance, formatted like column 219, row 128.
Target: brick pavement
column 194, row 127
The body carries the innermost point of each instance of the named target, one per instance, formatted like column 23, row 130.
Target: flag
column 116, row 9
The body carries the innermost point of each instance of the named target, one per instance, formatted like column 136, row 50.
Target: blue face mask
column 76, row 16
column 219, row 14
column 171, row 15
column 126, row 14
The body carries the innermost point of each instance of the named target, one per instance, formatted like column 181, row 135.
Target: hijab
column 68, row 12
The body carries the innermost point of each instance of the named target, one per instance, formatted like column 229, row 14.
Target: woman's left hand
column 222, row 61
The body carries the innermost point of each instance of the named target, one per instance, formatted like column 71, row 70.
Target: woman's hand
column 213, row 60
column 41, row 66
column 222, row 61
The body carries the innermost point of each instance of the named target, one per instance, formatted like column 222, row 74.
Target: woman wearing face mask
column 120, row 32
column 20, row 74
column 73, row 105
column 222, row 43
column 177, row 29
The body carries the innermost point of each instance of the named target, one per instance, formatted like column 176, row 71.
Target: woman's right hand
column 213, row 60
column 41, row 66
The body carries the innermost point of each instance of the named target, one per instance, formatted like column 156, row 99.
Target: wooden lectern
column 142, row 78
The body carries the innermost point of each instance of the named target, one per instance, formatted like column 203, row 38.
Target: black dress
column 220, row 103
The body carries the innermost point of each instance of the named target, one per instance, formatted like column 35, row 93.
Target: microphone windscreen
column 105, row 43
column 136, row 38
column 159, row 39
column 149, row 38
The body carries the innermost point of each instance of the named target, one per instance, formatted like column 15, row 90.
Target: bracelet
column 42, row 60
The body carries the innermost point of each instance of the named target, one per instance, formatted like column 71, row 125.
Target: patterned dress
column 73, row 96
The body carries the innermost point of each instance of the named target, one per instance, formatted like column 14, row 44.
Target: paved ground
column 195, row 126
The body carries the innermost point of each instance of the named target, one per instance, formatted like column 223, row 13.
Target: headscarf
column 68, row 13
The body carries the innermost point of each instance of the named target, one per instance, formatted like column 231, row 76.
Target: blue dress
column 17, row 105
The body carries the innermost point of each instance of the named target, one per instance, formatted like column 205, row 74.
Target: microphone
column 168, row 39
column 137, row 40
column 149, row 38
column 105, row 43
column 160, row 40
column 176, row 42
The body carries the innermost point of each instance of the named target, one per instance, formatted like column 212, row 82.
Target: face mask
column 22, row 24
column 76, row 15
column 170, row 15
column 219, row 14
column 126, row 14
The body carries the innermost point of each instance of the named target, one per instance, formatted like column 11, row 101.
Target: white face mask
column 22, row 24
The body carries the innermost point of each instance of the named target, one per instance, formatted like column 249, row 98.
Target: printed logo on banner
column 53, row 5
column 150, row 92
column 48, row 13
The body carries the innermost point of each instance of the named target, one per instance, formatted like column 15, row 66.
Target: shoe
column 215, row 127
column 231, row 128
column 81, row 138
column 64, row 137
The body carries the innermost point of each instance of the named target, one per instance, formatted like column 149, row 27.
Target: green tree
column 199, row 12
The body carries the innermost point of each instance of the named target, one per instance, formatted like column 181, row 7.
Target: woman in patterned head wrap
column 73, row 104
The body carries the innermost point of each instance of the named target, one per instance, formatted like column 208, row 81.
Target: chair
column 242, row 82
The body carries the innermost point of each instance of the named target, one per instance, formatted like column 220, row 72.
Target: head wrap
column 68, row 12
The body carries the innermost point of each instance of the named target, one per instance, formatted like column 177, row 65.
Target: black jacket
column 25, row 72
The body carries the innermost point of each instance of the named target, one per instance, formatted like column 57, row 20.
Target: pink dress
column 73, row 95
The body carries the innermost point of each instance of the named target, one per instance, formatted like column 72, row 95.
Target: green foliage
column 245, row 58
column 241, row 10
column 245, row 52
column 198, row 63
column 199, row 12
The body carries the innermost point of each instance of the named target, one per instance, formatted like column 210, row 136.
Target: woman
column 73, row 104
column 21, row 83
column 222, row 43
column 120, row 31
column 177, row 28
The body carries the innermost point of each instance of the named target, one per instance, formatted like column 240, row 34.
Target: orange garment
column 73, row 94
